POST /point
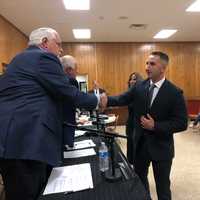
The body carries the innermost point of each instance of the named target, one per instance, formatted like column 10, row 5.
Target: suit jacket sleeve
column 177, row 120
column 122, row 100
column 51, row 76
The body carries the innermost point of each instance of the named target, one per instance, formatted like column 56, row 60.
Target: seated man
column 96, row 89
column 70, row 69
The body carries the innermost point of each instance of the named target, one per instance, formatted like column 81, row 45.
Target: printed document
column 83, row 144
column 79, row 153
column 69, row 179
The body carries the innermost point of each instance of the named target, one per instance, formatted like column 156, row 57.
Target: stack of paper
column 83, row 144
column 69, row 179
column 79, row 153
column 79, row 133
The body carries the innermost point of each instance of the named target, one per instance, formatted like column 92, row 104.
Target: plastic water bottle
column 103, row 157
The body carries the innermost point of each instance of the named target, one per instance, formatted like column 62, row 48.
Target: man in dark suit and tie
column 160, row 112
column 33, row 91
column 96, row 89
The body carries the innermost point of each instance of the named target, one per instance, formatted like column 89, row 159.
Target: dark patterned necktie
column 150, row 95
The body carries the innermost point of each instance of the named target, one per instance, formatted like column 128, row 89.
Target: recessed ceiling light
column 82, row 33
column 194, row 7
column 77, row 4
column 165, row 33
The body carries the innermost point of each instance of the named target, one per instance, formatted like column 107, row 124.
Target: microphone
column 101, row 117
column 113, row 174
column 96, row 132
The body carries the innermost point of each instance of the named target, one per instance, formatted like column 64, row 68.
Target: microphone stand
column 113, row 174
column 100, row 124
column 98, row 120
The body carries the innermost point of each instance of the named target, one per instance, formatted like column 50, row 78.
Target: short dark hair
column 163, row 56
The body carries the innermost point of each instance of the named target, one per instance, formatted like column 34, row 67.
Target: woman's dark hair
column 137, row 75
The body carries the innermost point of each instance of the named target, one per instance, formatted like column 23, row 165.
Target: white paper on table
column 88, row 123
column 83, row 144
column 110, row 119
column 69, row 179
column 79, row 133
column 79, row 153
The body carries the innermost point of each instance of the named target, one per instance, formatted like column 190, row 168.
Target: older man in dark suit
column 160, row 112
column 32, row 93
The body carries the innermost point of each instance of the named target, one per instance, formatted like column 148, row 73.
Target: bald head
column 69, row 65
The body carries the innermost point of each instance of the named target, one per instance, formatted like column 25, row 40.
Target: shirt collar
column 159, row 83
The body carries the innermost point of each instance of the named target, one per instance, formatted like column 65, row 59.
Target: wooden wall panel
column 111, row 63
column 12, row 41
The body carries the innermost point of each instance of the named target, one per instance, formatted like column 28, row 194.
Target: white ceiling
column 27, row 15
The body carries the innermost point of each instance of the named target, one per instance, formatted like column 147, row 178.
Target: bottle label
column 103, row 154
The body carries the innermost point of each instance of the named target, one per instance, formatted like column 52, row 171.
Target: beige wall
column 12, row 41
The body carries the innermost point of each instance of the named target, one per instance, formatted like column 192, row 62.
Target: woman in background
column 134, row 78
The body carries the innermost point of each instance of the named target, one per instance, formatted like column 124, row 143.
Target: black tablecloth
column 129, row 188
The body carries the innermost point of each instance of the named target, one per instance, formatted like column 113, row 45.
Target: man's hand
column 147, row 122
column 103, row 101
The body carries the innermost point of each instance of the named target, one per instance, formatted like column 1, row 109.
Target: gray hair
column 68, row 61
column 39, row 34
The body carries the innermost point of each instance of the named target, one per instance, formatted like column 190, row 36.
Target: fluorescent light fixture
column 165, row 33
column 82, row 33
column 77, row 4
column 194, row 7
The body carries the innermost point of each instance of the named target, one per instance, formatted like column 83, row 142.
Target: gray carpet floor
column 185, row 174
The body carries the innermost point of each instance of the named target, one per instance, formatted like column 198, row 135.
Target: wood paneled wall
column 12, row 41
column 111, row 63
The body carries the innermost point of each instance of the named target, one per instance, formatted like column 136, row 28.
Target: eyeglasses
column 150, row 63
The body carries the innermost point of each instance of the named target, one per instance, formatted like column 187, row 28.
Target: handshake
column 103, row 100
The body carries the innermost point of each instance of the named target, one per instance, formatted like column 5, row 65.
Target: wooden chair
column 193, row 107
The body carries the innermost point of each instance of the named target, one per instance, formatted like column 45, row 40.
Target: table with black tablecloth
column 128, row 188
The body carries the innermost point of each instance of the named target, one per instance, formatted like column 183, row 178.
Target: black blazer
column 168, row 110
